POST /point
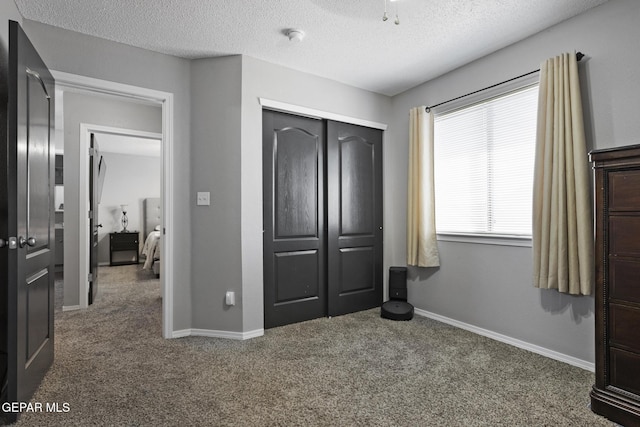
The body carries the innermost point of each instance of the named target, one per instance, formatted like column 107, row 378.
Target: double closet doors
column 322, row 218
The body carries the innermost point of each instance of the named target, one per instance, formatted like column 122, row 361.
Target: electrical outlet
column 230, row 298
column 203, row 198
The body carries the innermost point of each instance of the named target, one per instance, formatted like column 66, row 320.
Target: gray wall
column 96, row 110
column 84, row 55
column 215, row 167
column 490, row 286
column 129, row 180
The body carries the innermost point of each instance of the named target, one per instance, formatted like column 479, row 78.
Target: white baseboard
column 589, row 366
column 217, row 334
column 70, row 307
column 181, row 333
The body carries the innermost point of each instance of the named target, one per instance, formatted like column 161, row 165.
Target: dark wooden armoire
column 616, row 393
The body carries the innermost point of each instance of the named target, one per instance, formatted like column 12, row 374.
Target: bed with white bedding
column 152, row 232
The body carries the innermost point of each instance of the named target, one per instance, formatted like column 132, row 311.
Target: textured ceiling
column 346, row 40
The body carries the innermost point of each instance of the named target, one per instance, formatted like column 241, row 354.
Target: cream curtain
column 562, row 224
column 422, row 249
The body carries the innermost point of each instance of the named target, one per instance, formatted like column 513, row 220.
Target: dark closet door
column 354, row 217
column 294, row 237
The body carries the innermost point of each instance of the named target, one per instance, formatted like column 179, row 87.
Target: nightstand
column 123, row 248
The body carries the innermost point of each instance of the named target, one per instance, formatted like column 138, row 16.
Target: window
column 484, row 156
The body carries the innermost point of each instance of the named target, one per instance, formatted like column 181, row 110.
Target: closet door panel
column 295, row 164
column 354, row 217
column 293, row 212
column 357, row 270
column 296, row 276
column 357, row 187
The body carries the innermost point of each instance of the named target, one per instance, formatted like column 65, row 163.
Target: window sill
column 486, row 239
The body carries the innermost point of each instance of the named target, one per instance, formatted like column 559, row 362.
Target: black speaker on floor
column 397, row 308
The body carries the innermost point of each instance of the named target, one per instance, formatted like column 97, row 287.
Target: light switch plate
column 203, row 198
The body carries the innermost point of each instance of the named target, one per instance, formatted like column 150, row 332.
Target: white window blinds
column 484, row 155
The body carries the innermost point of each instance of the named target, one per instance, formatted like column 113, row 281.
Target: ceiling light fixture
column 385, row 15
column 295, row 35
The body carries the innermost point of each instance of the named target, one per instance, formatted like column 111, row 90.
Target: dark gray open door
column 294, row 237
column 94, row 167
column 27, row 201
column 354, row 217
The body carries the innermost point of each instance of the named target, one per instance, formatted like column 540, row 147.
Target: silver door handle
column 11, row 243
column 31, row 241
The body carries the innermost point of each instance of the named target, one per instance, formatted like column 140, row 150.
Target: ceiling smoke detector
column 385, row 15
column 295, row 35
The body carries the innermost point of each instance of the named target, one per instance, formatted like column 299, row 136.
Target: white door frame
column 86, row 129
column 89, row 85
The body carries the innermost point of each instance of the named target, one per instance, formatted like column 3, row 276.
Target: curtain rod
column 579, row 56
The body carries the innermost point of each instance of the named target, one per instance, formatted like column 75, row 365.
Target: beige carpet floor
column 113, row 368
